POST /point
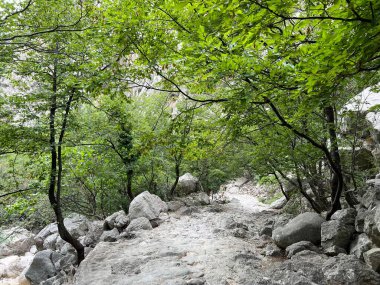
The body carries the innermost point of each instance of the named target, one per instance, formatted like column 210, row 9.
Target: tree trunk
column 177, row 172
column 337, row 175
column 281, row 186
column 55, row 180
column 129, row 184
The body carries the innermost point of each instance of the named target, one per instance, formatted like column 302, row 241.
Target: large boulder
column 304, row 227
column 95, row 230
column 336, row 233
column 15, row 241
column 42, row 267
column 187, row 184
column 12, row 266
column 138, row 224
column 110, row 236
column 372, row 225
column 77, row 225
column 300, row 246
column 146, row 205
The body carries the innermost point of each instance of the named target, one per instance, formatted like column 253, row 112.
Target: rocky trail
column 231, row 240
column 215, row 244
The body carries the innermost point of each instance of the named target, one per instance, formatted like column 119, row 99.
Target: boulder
column 273, row 250
column 174, row 205
column 188, row 184
column 304, row 227
column 372, row 258
column 348, row 270
column 47, row 231
column 279, row 203
column 345, row 216
column 146, row 205
column 371, row 197
column 117, row 220
column 195, row 199
column 95, row 230
column 77, row 225
column 334, row 250
column 359, row 245
column 267, row 229
column 372, row 226
column 110, row 236
column 300, row 246
column 50, row 241
column 336, row 233
column 15, row 241
column 138, row 224
column 359, row 220
column 42, row 267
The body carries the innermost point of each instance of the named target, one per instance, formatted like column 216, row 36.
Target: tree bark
column 129, row 184
column 55, row 181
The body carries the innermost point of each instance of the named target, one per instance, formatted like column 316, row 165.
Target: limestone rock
column 345, row 216
column 195, row 199
column 77, row 225
column 336, row 233
column 279, row 203
column 50, row 241
column 359, row 220
column 95, row 230
column 300, row 246
column 371, row 226
column 187, row 184
column 267, row 229
column 304, row 227
column 117, row 220
column 334, row 250
column 110, row 236
column 146, row 205
column 138, row 224
column 372, row 258
column 47, row 231
column 348, row 270
column 175, row 205
column 359, row 245
column 42, row 267
column 12, row 266
column 15, row 241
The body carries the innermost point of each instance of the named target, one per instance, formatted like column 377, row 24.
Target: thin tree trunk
column 281, row 186
column 177, row 172
column 129, row 184
column 55, row 182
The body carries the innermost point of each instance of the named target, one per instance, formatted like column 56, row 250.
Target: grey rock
column 371, row 226
column 95, row 230
column 47, row 231
column 335, row 233
column 300, row 246
column 175, row 205
column 50, row 241
column 110, row 236
column 348, row 270
column 267, row 229
column 273, row 250
column 195, row 199
column 117, row 220
column 282, row 220
column 196, row 281
column 304, row 227
column 345, row 216
column 188, row 184
column 138, row 224
column 371, row 197
column 42, row 267
column 15, row 241
column 359, row 220
column 146, row 205
column 279, row 203
column 334, row 250
column 240, row 233
column 77, row 225
column 359, row 245
column 372, row 258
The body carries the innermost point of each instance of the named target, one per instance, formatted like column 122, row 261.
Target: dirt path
column 214, row 245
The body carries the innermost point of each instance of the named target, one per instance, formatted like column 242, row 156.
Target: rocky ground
column 215, row 244
column 231, row 240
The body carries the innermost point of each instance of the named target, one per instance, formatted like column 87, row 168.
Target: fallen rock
column 175, row 205
column 195, row 199
column 187, row 184
column 336, row 233
column 42, row 267
column 300, row 246
column 371, row 225
column 50, row 241
column 359, row 245
column 273, row 250
column 110, row 236
column 117, row 220
column 334, row 250
column 138, row 224
column 15, row 241
column 267, row 229
column 12, row 266
column 95, row 230
column 304, row 227
column 146, row 205
column 77, row 225
column 279, row 203
column 345, row 216
column 359, row 220
column 372, row 258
